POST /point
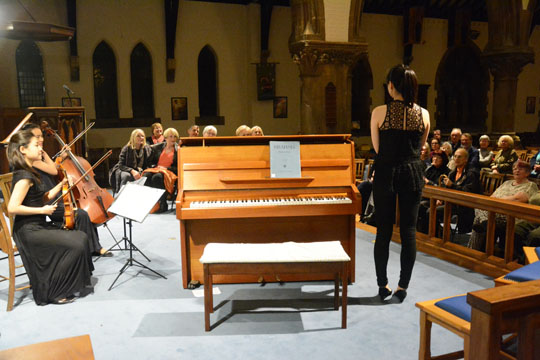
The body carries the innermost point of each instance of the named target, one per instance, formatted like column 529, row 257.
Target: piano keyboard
column 308, row 200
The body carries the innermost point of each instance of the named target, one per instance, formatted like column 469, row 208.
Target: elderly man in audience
column 462, row 178
column 437, row 135
column 209, row 131
column 507, row 156
column 519, row 189
column 466, row 143
column 193, row 131
column 526, row 233
column 485, row 156
column 433, row 174
column 455, row 139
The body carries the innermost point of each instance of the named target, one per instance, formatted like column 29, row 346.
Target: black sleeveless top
column 33, row 198
column 398, row 164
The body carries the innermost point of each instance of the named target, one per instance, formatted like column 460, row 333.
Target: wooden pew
column 483, row 262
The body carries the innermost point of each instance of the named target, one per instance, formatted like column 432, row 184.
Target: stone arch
column 361, row 86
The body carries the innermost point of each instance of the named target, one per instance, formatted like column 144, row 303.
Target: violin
column 68, row 199
column 88, row 195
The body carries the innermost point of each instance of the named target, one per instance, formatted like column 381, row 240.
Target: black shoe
column 107, row 254
column 401, row 294
column 384, row 292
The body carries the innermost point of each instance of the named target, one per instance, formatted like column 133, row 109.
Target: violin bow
column 83, row 175
column 75, row 139
column 5, row 142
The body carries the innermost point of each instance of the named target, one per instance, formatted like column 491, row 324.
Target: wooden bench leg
column 207, row 297
column 344, row 285
column 336, row 291
column 425, row 337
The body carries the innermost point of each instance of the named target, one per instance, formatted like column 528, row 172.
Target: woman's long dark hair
column 16, row 157
column 405, row 82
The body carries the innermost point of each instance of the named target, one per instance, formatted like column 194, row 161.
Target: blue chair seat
column 457, row 306
column 525, row 273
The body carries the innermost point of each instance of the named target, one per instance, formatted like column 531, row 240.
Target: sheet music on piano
column 285, row 159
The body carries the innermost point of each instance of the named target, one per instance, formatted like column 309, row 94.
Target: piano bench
column 324, row 257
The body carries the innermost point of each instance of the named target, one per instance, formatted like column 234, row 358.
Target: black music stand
column 134, row 203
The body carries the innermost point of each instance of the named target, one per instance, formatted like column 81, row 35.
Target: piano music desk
column 327, row 257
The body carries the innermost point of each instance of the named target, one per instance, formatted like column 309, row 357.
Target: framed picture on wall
column 280, row 107
column 530, row 105
column 179, row 108
column 71, row 102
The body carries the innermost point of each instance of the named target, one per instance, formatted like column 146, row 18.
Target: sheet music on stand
column 135, row 201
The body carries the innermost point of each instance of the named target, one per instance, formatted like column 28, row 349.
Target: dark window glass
column 142, row 88
column 30, row 75
column 207, row 69
column 105, row 84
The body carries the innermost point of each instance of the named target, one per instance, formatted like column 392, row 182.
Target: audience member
column 447, row 148
column 209, row 131
column 526, row 233
column 257, row 131
column 437, row 135
column 132, row 161
column 519, row 189
column 425, row 156
column 162, row 166
column 243, row 130
column 466, row 143
column 455, row 139
column 193, row 131
column 436, row 147
column 535, row 165
column 485, row 156
column 157, row 134
column 507, row 156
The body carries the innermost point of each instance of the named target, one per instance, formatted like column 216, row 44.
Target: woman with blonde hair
column 243, row 130
column 162, row 166
column 506, row 157
column 209, row 131
column 132, row 161
column 257, row 131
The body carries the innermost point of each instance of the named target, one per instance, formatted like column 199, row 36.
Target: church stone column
column 322, row 63
column 506, row 53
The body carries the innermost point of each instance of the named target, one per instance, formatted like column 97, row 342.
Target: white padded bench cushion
column 323, row 251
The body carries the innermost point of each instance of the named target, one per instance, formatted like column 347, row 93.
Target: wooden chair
column 490, row 181
column 359, row 169
column 531, row 255
column 522, row 154
column 5, row 187
column 483, row 319
column 7, row 247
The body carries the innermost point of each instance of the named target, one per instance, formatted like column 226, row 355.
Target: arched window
column 207, row 69
column 105, row 84
column 142, row 84
column 362, row 83
column 30, row 75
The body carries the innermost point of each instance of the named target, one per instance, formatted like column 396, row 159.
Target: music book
column 285, row 159
column 135, row 201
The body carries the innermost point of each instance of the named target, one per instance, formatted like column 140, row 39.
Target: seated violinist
column 47, row 169
column 132, row 161
column 57, row 261
column 162, row 170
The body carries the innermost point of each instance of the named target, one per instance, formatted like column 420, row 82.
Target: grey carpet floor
column 147, row 317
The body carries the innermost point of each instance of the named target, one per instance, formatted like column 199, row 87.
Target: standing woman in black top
column 398, row 131
column 58, row 262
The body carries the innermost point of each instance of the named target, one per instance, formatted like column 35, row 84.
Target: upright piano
column 226, row 195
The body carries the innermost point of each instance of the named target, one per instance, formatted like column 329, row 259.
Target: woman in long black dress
column 398, row 131
column 58, row 262
column 47, row 169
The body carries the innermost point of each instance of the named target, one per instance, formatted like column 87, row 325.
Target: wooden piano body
column 238, row 168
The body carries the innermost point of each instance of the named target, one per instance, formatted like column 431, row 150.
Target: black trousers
column 385, row 203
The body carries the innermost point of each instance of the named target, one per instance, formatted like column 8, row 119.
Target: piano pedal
column 281, row 283
column 193, row 284
column 261, row 280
